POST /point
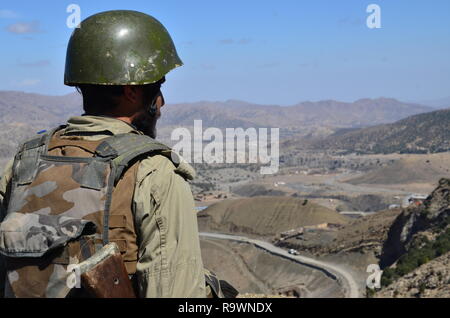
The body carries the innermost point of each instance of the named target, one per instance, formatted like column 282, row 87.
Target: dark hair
column 99, row 99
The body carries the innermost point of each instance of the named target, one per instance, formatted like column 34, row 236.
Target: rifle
column 104, row 275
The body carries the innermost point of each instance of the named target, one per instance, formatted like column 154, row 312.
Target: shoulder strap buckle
column 124, row 148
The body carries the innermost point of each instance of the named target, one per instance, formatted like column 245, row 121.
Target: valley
column 343, row 189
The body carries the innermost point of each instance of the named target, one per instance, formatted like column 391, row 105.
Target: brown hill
column 421, row 133
column 22, row 115
column 19, row 107
column 265, row 216
column 412, row 169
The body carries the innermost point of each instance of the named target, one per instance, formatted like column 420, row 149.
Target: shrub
column 417, row 256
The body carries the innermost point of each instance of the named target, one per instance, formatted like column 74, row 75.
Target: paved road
column 341, row 275
column 359, row 213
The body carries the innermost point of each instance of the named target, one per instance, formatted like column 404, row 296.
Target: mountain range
column 34, row 108
column 331, row 113
column 24, row 114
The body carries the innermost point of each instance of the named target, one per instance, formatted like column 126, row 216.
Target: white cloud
column 8, row 14
column 24, row 27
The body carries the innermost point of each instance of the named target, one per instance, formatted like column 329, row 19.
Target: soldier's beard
column 146, row 120
column 147, row 123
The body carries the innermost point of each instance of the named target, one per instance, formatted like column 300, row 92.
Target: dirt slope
column 265, row 216
column 414, row 169
column 251, row 270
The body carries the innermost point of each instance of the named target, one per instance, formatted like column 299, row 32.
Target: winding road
column 340, row 274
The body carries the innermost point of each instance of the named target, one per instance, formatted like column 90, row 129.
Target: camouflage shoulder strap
column 124, row 148
column 25, row 162
column 120, row 149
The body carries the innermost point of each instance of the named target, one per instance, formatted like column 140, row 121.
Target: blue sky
column 267, row 52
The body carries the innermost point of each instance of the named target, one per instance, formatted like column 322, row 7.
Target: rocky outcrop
column 433, row 214
column 429, row 280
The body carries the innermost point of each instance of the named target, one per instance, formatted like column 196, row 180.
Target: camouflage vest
column 69, row 197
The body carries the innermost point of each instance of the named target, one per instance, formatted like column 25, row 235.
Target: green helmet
column 119, row 48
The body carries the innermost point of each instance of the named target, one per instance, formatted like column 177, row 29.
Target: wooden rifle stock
column 104, row 274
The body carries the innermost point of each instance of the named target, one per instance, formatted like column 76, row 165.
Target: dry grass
column 266, row 216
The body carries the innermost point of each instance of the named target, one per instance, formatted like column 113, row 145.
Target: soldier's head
column 118, row 61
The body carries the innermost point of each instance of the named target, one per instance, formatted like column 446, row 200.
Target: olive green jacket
column 169, row 259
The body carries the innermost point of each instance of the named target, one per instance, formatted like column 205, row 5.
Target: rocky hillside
column 429, row 132
column 429, row 280
column 419, row 235
column 428, row 219
column 364, row 235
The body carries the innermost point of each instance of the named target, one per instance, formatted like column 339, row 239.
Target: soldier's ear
column 131, row 93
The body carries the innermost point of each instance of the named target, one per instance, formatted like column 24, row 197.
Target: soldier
column 102, row 177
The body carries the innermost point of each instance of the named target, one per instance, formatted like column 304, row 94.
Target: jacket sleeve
column 170, row 262
column 4, row 184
